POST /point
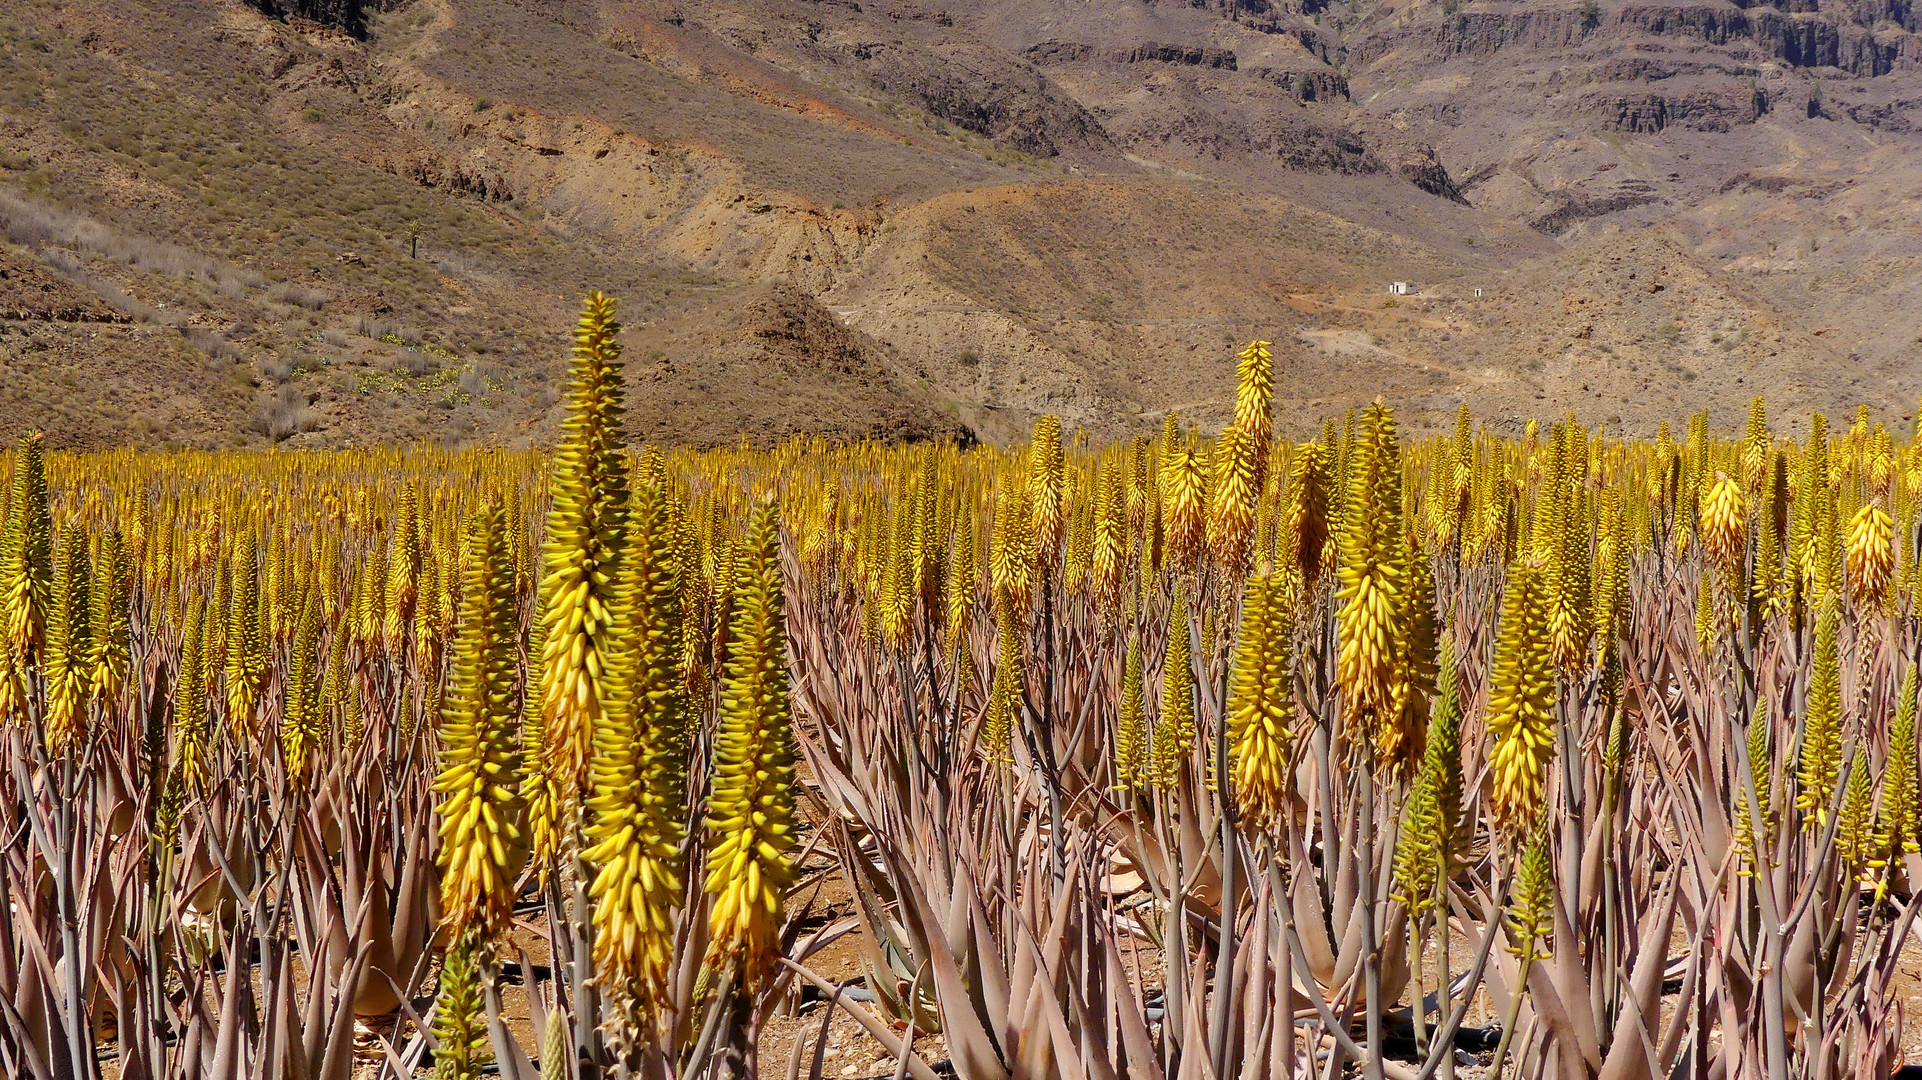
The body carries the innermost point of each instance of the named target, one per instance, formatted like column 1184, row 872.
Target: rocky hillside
column 335, row 221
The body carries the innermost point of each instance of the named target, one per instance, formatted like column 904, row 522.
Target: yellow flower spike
column 1560, row 547
column 1855, row 845
column 1463, row 457
column 1724, row 529
column 1897, row 811
column 245, row 647
column 557, row 1050
column 1231, row 511
column 1170, row 434
column 1045, row 490
column 539, row 789
column 1398, row 742
column 277, row 599
column 433, row 623
column 1851, row 449
column 67, row 676
column 640, row 772
column 1131, row 731
column 930, row 527
column 110, row 637
column 895, row 599
column 1521, row 704
column 1821, row 757
column 751, row 811
column 963, row 580
column 1080, row 554
column 460, row 1017
column 1008, row 690
column 1174, row 736
column 650, row 467
column 1184, row 499
column 1755, row 823
column 1531, row 914
column 302, row 726
column 586, row 523
column 1011, row 564
column 1765, row 587
column 1141, row 472
column 1757, row 445
column 1415, row 873
column 1261, row 704
column 1108, row 562
column 1148, row 553
column 370, row 608
column 336, row 695
column 1433, row 841
column 1811, row 495
column 1370, row 631
column 1255, row 392
column 26, row 558
column 1871, row 559
column 140, row 531
column 190, row 699
column 1661, row 476
column 1828, row 552
column 1307, row 512
column 1705, row 618
column 483, row 841
column 1609, row 588
column 726, row 557
column 1497, row 522
column 403, row 569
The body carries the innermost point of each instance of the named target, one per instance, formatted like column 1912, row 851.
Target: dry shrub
column 215, row 346
column 284, row 412
column 288, row 292
column 45, row 229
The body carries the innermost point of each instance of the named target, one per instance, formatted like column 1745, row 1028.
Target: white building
column 1401, row 288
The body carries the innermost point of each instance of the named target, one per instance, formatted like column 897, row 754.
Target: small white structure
column 1401, row 288
column 1478, row 294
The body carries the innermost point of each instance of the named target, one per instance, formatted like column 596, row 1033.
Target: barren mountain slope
column 906, row 218
column 1780, row 141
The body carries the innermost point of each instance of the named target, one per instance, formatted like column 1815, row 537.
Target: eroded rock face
column 983, row 92
column 1861, row 39
column 348, row 16
column 1584, row 113
column 1643, row 112
column 1480, row 33
column 1067, row 52
column 1413, row 160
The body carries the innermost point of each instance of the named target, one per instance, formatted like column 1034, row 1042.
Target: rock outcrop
column 347, row 16
column 1857, row 39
